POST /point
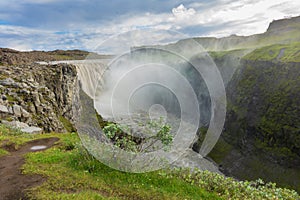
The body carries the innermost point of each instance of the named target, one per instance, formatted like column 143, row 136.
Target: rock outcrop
column 261, row 133
column 38, row 95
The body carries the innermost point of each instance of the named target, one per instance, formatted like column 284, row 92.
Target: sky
column 82, row 24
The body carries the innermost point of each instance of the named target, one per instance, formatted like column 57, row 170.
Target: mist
column 142, row 78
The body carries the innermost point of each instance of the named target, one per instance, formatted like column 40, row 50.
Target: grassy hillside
column 73, row 174
column 276, row 53
column 283, row 31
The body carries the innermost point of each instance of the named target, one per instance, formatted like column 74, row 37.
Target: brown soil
column 12, row 182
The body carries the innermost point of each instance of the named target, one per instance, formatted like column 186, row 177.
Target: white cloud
column 182, row 12
column 250, row 17
column 20, row 46
column 227, row 17
column 243, row 17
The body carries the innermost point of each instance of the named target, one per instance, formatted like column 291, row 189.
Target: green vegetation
column 76, row 55
column 3, row 152
column 100, row 120
column 263, row 116
column 154, row 131
column 276, row 52
column 77, row 175
column 67, row 124
column 219, row 55
column 221, row 149
column 12, row 136
column 229, row 188
column 270, row 100
column 120, row 138
column 72, row 173
column 10, row 99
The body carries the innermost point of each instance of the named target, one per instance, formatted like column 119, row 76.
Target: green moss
column 10, row 99
column 263, row 111
column 67, row 124
column 220, row 150
column 276, row 52
column 101, row 121
column 219, row 55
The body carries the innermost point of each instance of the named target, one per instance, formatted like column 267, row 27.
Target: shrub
column 154, row 130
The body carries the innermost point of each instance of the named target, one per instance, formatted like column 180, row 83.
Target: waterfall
column 89, row 73
column 90, row 76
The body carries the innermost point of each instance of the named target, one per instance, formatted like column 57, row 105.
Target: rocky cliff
column 261, row 137
column 36, row 95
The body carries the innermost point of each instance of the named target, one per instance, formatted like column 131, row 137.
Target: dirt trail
column 12, row 181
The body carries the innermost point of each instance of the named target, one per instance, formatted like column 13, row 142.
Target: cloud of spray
column 173, row 83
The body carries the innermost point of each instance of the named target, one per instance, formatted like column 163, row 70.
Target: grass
column 3, row 152
column 219, row 55
column 290, row 53
column 276, row 52
column 72, row 173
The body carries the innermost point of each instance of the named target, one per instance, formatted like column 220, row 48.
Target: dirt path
column 12, row 182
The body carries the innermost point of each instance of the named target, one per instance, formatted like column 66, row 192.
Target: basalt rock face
column 38, row 95
column 265, row 95
column 261, row 135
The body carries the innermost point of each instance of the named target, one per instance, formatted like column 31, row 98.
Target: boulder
column 17, row 110
column 8, row 82
column 15, row 124
column 23, row 127
column 5, row 112
column 25, row 114
column 3, row 109
column 32, row 129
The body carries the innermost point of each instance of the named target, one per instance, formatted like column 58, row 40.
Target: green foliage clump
column 229, row 188
column 120, row 139
column 154, row 131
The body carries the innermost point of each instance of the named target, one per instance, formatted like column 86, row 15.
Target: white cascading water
column 90, row 77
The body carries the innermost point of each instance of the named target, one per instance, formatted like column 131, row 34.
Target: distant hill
column 13, row 57
column 279, row 31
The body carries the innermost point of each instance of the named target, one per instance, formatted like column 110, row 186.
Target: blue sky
column 80, row 24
